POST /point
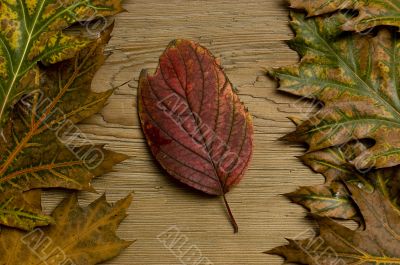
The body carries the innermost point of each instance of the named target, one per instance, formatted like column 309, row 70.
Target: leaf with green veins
column 355, row 77
column 31, row 31
column 371, row 12
column 332, row 198
column 34, row 155
column 80, row 236
column 334, row 164
column 377, row 241
column 14, row 209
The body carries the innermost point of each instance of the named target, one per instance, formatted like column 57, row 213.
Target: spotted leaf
column 32, row 31
column 356, row 78
column 377, row 243
column 37, row 144
column 371, row 13
column 332, row 198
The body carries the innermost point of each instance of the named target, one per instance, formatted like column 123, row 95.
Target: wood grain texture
column 248, row 36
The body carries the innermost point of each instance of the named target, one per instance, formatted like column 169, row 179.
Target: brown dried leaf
column 377, row 243
column 80, row 236
column 332, row 198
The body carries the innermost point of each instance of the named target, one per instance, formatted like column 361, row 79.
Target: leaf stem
column 232, row 218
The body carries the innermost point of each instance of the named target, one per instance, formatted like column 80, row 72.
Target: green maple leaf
column 371, row 12
column 355, row 76
column 34, row 152
column 31, row 31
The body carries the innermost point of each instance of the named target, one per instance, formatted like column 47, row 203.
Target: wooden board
column 248, row 36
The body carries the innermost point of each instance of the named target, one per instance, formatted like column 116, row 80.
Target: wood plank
column 248, row 36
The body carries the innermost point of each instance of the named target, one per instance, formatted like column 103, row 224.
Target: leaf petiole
column 231, row 217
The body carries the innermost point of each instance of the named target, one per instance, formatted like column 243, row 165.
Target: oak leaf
column 377, row 243
column 195, row 124
column 371, row 13
column 355, row 76
column 81, row 236
column 36, row 143
column 32, row 31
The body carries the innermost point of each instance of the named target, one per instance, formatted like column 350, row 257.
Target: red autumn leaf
column 195, row 124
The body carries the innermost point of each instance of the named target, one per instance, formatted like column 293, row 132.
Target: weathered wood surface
column 248, row 36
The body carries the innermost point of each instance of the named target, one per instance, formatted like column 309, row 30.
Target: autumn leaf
column 195, row 124
column 377, row 243
column 81, row 236
column 31, row 31
column 16, row 210
column 371, row 13
column 326, row 163
column 332, row 199
column 36, row 146
column 355, row 76
column 334, row 163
